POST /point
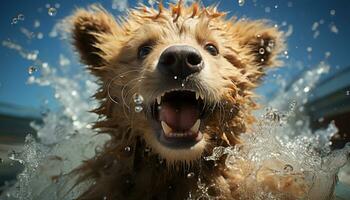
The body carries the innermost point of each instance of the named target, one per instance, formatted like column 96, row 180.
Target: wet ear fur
column 260, row 45
column 263, row 42
column 88, row 25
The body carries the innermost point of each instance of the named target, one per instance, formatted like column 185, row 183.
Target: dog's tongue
column 179, row 117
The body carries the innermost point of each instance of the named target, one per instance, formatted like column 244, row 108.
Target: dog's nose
column 180, row 61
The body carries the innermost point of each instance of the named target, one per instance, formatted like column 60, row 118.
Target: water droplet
column 241, row 2
column 175, row 77
column 262, row 51
column 268, row 49
column 288, row 168
column 182, row 84
column 306, row 89
column 309, row 49
column 57, row 5
column 127, row 149
column 285, row 52
column 334, row 28
column 190, row 175
column 20, row 17
column 36, row 23
column 332, row 12
column 52, row 11
column 267, row 9
column 138, row 99
column 138, row 109
column 32, row 69
column 262, row 60
column 14, row 20
column 40, row 36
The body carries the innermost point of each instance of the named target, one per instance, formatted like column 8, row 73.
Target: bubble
column 190, row 175
column 241, row 2
column 32, row 69
column 182, row 84
column 276, row 6
column 52, row 11
column 309, row 49
column 138, row 109
column 332, row 12
column 262, row 51
column 285, row 52
column 20, row 17
column 138, row 99
column 175, row 77
column 288, row 168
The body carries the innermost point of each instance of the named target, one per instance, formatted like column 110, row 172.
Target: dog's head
column 178, row 77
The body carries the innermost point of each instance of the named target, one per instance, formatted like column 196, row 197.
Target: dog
column 175, row 82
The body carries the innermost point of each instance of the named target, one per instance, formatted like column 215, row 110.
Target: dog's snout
column 180, row 61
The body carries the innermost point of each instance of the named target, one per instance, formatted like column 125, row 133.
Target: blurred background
column 318, row 32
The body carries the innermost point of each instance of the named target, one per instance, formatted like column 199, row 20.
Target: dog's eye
column 211, row 49
column 144, row 51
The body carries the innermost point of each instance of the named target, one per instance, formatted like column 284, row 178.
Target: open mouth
column 178, row 117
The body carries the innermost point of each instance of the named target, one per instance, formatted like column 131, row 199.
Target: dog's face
column 187, row 71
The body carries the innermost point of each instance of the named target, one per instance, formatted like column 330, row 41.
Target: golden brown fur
column 132, row 164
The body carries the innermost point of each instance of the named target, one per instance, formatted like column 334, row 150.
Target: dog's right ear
column 88, row 30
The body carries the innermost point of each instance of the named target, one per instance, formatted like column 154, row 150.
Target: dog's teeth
column 201, row 95
column 159, row 100
column 197, row 95
column 195, row 127
column 166, row 128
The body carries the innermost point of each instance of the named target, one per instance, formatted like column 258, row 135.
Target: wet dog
column 175, row 83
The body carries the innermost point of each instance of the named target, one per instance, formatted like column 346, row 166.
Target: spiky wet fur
column 132, row 165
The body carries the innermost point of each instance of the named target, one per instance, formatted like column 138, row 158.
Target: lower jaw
column 179, row 143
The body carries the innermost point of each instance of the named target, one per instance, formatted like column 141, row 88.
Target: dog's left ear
column 89, row 27
column 261, row 44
